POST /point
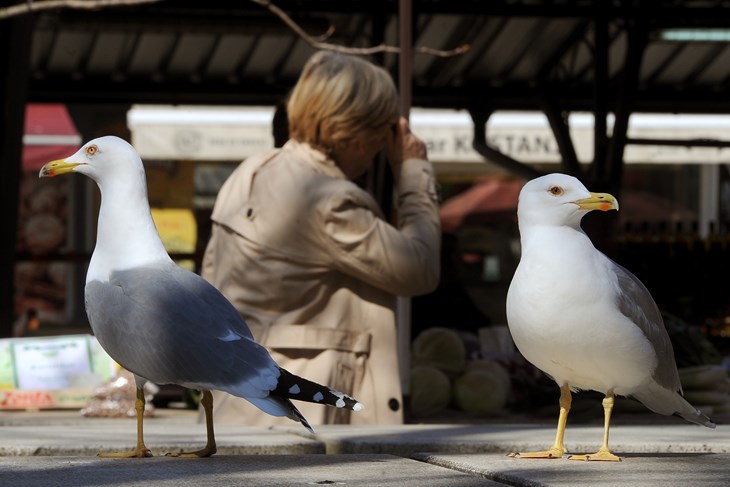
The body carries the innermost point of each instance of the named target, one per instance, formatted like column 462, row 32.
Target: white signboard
column 200, row 133
column 232, row 134
column 453, row 144
column 48, row 364
column 53, row 363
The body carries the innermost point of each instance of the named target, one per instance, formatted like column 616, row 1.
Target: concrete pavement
column 227, row 470
column 636, row 470
column 59, row 448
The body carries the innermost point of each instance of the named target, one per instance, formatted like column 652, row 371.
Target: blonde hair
column 339, row 97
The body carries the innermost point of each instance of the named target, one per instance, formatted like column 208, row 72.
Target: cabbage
column 480, row 392
column 430, row 390
column 441, row 348
column 492, row 367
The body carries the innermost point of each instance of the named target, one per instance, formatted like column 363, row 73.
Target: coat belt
column 308, row 337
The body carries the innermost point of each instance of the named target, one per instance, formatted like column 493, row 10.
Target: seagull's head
column 104, row 157
column 559, row 199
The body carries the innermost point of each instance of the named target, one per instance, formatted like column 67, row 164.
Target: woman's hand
column 402, row 144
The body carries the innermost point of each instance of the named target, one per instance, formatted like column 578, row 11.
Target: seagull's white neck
column 126, row 234
column 542, row 240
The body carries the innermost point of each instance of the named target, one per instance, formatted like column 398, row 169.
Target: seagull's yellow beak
column 598, row 201
column 54, row 168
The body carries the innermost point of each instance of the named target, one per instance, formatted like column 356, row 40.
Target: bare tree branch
column 316, row 42
column 31, row 6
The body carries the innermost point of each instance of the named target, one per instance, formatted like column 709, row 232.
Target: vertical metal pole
column 600, row 129
column 403, row 309
column 405, row 61
column 709, row 198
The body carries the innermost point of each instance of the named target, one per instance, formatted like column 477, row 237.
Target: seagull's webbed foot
column 602, row 455
column 551, row 453
column 140, row 451
column 210, row 447
column 204, row 452
column 558, row 448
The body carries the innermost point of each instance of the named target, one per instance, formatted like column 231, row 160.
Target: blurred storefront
column 45, row 287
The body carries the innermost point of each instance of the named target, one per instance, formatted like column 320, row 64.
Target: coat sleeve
column 402, row 260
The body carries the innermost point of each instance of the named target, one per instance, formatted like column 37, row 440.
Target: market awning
column 49, row 134
column 489, row 200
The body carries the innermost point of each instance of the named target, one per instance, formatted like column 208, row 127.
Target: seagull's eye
column 91, row 150
column 555, row 190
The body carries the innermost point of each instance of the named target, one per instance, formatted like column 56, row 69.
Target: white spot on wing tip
column 358, row 407
column 230, row 337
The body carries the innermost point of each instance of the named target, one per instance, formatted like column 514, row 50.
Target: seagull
column 581, row 318
column 163, row 323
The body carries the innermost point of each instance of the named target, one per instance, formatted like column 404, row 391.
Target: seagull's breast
column 563, row 316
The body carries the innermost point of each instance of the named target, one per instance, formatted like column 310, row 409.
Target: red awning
column 49, row 134
column 487, row 200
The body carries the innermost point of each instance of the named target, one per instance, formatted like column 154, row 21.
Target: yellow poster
column 178, row 231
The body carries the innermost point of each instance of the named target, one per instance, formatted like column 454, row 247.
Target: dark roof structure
column 524, row 53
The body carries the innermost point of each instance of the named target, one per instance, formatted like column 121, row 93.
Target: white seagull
column 161, row 322
column 583, row 319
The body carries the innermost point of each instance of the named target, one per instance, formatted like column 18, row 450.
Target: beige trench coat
column 308, row 259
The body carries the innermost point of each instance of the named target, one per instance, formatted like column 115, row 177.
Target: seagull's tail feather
column 664, row 401
column 291, row 386
column 278, row 406
column 698, row 417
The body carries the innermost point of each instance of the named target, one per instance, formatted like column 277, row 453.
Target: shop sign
column 51, row 372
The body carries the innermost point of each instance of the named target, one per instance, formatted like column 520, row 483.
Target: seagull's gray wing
column 636, row 303
column 169, row 325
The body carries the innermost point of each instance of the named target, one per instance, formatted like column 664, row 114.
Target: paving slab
column 69, row 433
column 222, row 470
column 405, row 440
column 160, row 438
column 635, row 470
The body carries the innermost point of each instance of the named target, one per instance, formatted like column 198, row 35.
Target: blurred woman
column 307, row 256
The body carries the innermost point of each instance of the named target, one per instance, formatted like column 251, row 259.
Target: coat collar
column 307, row 154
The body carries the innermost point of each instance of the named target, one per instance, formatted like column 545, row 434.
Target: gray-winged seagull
column 161, row 322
